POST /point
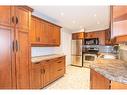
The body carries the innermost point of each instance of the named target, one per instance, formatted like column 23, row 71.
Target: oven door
column 88, row 59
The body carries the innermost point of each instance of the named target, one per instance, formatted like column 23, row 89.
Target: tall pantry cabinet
column 14, row 47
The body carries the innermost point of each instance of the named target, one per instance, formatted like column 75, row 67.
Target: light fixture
column 80, row 26
column 62, row 13
column 98, row 22
column 95, row 15
column 73, row 21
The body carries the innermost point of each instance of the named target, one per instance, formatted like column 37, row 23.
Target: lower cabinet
column 35, row 76
column 98, row 81
column 47, row 71
column 117, row 85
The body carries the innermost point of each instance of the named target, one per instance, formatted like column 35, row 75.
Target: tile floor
column 75, row 78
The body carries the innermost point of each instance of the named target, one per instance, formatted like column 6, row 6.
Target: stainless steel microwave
column 92, row 41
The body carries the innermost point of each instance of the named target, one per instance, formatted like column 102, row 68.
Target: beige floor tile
column 75, row 78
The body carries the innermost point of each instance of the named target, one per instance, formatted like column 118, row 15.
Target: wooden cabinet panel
column 38, row 30
column 14, row 67
column 47, row 71
column 98, row 81
column 119, row 11
column 32, row 32
column 35, row 76
column 44, row 33
column 117, row 85
column 57, row 68
column 22, row 61
column 78, row 35
column 5, row 15
column 119, row 23
column 56, row 35
column 6, row 58
column 46, row 75
column 22, row 18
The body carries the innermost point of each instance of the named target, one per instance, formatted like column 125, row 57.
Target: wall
column 64, row 48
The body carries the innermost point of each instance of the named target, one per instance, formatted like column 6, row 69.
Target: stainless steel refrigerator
column 76, row 52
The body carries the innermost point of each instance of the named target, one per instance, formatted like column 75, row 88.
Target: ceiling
column 74, row 18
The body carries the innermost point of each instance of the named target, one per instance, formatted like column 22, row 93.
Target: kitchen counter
column 45, row 57
column 112, row 69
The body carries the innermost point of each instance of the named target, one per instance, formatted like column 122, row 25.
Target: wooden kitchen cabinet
column 56, row 35
column 57, row 68
column 119, row 23
column 15, row 40
column 98, row 81
column 46, row 71
column 102, row 35
column 7, row 57
column 35, row 76
column 23, row 16
column 44, row 33
column 117, row 85
column 6, row 15
column 79, row 35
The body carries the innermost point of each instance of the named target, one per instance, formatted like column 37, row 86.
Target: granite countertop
column 45, row 57
column 113, row 69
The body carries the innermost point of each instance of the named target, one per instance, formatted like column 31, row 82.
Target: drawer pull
column 59, row 62
column 59, row 70
column 37, row 63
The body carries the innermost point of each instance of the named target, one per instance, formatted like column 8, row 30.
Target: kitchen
column 44, row 47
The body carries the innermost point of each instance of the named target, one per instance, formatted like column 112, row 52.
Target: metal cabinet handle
column 59, row 61
column 16, row 20
column 17, row 46
column 12, row 19
column 13, row 46
column 37, row 63
column 59, row 69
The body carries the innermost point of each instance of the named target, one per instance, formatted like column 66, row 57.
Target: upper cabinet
column 5, row 15
column 44, row 33
column 79, row 35
column 119, row 23
column 103, row 35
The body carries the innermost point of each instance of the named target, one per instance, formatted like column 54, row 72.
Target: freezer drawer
column 77, row 60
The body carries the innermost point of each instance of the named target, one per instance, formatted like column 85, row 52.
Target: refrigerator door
column 77, row 60
column 76, row 48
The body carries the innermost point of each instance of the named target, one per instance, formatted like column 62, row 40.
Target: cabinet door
column 5, row 15
column 117, row 85
column 38, row 30
column 119, row 11
column 56, row 35
column 32, row 31
column 97, row 81
column 22, row 59
column 22, row 18
column 46, row 74
column 7, row 57
column 35, row 76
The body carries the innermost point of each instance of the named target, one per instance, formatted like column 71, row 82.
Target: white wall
column 65, row 47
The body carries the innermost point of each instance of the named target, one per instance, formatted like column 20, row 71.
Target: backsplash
column 40, row 51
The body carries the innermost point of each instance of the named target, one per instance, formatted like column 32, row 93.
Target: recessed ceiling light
column 95, row 15
column 62, row 13
column 98, row 22
column 73, row 21
column 80, row 26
